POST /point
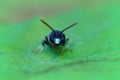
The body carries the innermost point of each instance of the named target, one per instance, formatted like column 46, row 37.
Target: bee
column 56, row 38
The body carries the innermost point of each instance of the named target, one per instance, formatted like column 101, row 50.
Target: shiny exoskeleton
column 56, row 38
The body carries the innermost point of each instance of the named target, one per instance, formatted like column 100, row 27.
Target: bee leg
column 66, row 41
column 62, row 52
column 66, row 47
column 40, row 48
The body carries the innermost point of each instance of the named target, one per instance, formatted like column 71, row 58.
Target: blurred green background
column 95, row 41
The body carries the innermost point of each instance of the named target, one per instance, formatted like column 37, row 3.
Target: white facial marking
column 57, row 41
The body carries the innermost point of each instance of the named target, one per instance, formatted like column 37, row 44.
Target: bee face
column 56, row 38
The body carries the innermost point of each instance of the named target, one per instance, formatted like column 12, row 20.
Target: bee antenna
column 47, row 25
column 69, row 27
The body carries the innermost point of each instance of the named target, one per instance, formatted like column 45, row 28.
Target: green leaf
column 95, row 44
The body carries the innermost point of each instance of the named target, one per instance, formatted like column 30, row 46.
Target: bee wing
column 38, row 49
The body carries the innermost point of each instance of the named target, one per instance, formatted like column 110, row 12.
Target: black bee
column 56, row 38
